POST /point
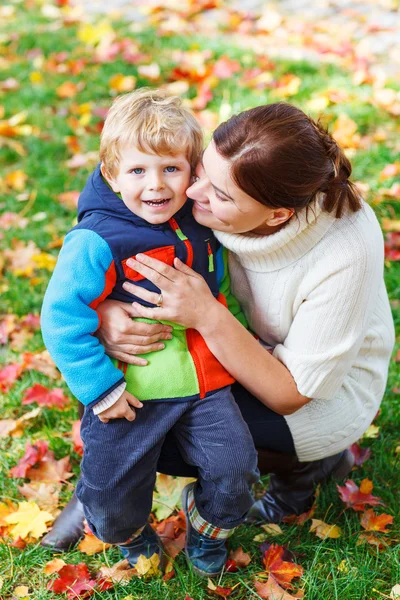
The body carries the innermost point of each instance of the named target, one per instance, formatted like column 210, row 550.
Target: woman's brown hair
column 282, row 158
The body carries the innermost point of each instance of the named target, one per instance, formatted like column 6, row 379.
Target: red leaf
column 354, row 498
column 9, row 375
column 45, row 397
column 231, row 566
column 282, row 571
column 33, row 455
column 76, row 581
column 218, row 590
column 360, row 454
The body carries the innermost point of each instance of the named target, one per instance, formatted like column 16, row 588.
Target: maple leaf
column 45, row 397
column 282, row 571
column 357, row 498
column 217, row 590
column 6, row 508
column 92, row 545
column 148, row 567
column 271, row 590
column 42, row 362
column 33, row 454
column 15, row 427
column 241, row 558
column 371, row 538
column 120, row 572
column 323, row 530
column 167, row 494
column 75, row 580
column 29, row 520
column 53, row 566
column 122, row 83
column 373, row 522
column 9, row 375
column 360, row 454
column 173, row 541
column 46, row 495
column 19, row 258
column 50, row 470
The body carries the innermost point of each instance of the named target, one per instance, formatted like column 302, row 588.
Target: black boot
column 292, row 492
column 67, row 529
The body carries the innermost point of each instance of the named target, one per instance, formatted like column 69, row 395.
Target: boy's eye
column 137, row 171
column 171, row 169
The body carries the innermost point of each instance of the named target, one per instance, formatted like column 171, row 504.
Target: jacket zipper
column 183, row 238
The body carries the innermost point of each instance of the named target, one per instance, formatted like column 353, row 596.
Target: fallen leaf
column 217, row 590
column 354, row 498
column 92, row 545
column 42, row 362
column 372, row 522
column 33, row 454
column 68, row 89
column 241, row 558
column 50, row 470
column 372, row 432
column 46, row 495
column 271, row 590
column 374, row 540
column 360, row 454
column 323, row 530
column 167, row 494
column 28, row 520
column 9, row 375
column 21, row 591
column 45, row 397
column 53, row 566
column 395, row 592
column 69, row 199
column 282, row 571
column 272, row 529
column 75, row 580
column 148, row 567
column 120, row 572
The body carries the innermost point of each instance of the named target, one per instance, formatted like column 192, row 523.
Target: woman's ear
column 278, row 216
column 110, row 180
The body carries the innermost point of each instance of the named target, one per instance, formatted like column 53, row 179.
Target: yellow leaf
column 146, row 567
column 54, row 566
column 324, row 530
column 16, row 180
column 45, row 261
column 260, row 537
column 371, row 432
column 345, row 132
column 93, row 34
column 272, row 529
column 36, row 77
column 343, row 567
column 21, row 591
column 92, row 545
column 122, row 83
column 28, row 520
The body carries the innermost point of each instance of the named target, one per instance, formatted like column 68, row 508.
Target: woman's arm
column 188, row 301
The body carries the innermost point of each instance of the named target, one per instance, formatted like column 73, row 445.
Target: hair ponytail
column 282, row 158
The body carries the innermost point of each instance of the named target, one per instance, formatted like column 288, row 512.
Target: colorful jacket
column 92, row 267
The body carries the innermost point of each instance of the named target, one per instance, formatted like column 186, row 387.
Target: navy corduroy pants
column 119, row 465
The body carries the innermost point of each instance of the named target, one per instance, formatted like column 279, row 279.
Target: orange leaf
column 68, row 89
column 270, row 590
column 354, row 498
column 372, row 522
column 366, row 486
column 120, row 572
column 242, row 559
column 92, row 545
column 282, row 571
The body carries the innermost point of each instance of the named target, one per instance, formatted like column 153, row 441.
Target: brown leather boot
column 68, row 528
column 292, row 492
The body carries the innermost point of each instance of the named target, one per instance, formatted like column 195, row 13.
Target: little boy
column 135, row 201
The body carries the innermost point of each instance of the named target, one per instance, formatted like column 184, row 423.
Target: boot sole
column 196, row 570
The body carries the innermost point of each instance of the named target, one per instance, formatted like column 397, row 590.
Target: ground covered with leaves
column 59, row 72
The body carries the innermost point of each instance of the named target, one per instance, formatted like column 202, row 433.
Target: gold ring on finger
column 160, row 300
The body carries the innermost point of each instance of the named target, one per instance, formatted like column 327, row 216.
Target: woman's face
column 220, row 204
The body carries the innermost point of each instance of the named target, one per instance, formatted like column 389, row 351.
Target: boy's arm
column 224, row 285
column 84, row 276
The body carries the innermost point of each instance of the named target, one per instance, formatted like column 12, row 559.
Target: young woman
column 306, row 263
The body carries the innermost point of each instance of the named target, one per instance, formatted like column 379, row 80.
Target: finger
column 133, row 401
column 145, row 349
column 183, row 268
column 103, row 419
column 140, row 292
column 130, row 359
column 130, row 414
column 151, row 313
column 149, row 329
column 152, row 269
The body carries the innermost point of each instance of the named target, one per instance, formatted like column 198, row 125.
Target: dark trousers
column 268, row 430
column 120, row 461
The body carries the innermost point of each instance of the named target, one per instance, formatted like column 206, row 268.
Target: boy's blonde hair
column 152, row 121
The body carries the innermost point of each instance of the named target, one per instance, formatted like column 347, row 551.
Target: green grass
column 366, row 568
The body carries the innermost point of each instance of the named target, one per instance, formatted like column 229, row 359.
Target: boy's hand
column 123, row 407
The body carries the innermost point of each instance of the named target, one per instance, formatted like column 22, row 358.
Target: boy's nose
column 156, row 183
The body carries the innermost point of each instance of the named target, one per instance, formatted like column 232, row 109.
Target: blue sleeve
column 84, row 271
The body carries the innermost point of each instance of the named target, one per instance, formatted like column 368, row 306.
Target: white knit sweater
column 314, row 291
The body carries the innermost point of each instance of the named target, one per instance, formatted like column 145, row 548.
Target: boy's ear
column 110, row 180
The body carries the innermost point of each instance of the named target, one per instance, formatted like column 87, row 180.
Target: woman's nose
column 197, row 190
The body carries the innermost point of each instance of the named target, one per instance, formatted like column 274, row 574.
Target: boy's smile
column 151, row 186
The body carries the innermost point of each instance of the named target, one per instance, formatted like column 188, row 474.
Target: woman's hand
column 186, row 297
column 123, row 338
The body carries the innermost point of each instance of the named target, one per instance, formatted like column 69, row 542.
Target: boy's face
column 152, row 187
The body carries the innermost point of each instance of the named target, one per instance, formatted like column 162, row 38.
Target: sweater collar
column 271, row 252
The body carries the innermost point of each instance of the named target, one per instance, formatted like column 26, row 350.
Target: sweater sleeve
column 331, row 320
column 83, row 277
column 224, row 286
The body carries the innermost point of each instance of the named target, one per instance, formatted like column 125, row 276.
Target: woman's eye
column 221, row 198
column 137, row 171
column 171, row 169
